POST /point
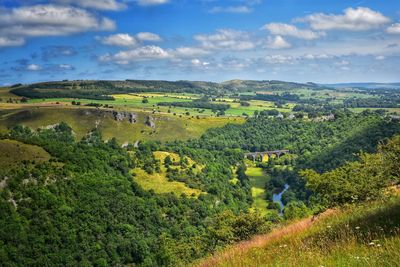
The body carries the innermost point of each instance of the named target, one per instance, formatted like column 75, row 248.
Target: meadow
column 159, row 183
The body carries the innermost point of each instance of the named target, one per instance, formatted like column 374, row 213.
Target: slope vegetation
column 362, row 235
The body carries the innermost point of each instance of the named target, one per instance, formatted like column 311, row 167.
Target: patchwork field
column 158, row 182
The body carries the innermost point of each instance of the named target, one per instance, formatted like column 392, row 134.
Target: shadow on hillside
column 365, row 140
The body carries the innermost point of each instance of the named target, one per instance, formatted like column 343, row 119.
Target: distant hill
column 102, row 89
column 366, row 85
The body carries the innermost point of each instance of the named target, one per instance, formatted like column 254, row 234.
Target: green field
column 258, row 179
column 12, row 153
column 158, row 182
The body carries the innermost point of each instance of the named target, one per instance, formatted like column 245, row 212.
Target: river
column 278, row 198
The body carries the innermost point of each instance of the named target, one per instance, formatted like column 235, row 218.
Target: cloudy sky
column 293, row 40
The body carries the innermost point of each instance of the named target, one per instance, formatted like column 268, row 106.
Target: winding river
column 278, row 198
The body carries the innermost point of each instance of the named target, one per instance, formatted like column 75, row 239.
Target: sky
column 322, row 41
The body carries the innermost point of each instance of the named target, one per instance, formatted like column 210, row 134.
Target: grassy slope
column 82, row 120
column 13, row 152
column 363, row 235
column 159, row 182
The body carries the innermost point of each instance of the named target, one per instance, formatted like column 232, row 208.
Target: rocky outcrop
column 124, row 115
column 150, row 122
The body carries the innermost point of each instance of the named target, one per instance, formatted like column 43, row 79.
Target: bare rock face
column 150, row 122
column 124, row 115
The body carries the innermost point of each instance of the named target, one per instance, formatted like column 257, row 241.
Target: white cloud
column 190, row 52
column 342, row 63
column 120, row 39
column 353, row 19
column 143, row 53
column 33, row 67
column 5, row 41
column 380, row 57
column 278, row 42
column 148, row 36
column 279, row 59
column 65, row 67
column 291, row 30
column 226, row 39
column 394, row 28
column 49, row 20
column 95, row 4
column 231, row 9
column 198, row 63
column 151, row 2
column 125, row 39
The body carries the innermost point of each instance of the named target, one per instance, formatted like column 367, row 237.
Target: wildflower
column 357, row 227
column 371, row 243
column 329, row 226
column 378, row 245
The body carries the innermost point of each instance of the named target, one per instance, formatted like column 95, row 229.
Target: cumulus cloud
column 49, row 20
column 148, row 36
column 190, row 52
column 13, row 41
column 291, row 30
column 33, row 67
column 231, row 9
column 95, row 4
column 352, row 19
column 394, row 28
column 125, row 39
column 198, row 63
column 151, row 2
column 119, row 39
column 278, row 42
column 143, row 53
column 226, row 39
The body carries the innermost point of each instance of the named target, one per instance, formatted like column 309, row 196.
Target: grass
column 258, row 179
column 158, row 182
column 357, row 235
column 82, row 119
column 12, row 153
column 5, row 94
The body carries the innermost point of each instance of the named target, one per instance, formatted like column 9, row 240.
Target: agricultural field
column 159, row 183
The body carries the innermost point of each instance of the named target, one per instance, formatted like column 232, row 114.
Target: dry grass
column 362, row 235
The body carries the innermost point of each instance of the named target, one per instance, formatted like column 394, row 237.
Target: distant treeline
column 393, row 102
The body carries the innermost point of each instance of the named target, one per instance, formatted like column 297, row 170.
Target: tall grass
column 362, row 235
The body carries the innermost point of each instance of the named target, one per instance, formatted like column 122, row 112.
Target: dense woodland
column 84, row 208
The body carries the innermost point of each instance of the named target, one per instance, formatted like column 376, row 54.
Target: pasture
column 159, row 183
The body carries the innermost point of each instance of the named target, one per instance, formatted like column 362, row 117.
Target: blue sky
column 293, row 40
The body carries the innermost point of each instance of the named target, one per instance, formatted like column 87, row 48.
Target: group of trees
column 83, row 207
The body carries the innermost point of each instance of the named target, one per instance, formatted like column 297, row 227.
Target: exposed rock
column 150, row 122
column 3, row 183
column 122, row 115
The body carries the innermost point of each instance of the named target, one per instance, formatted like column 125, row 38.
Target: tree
column 296, row 210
